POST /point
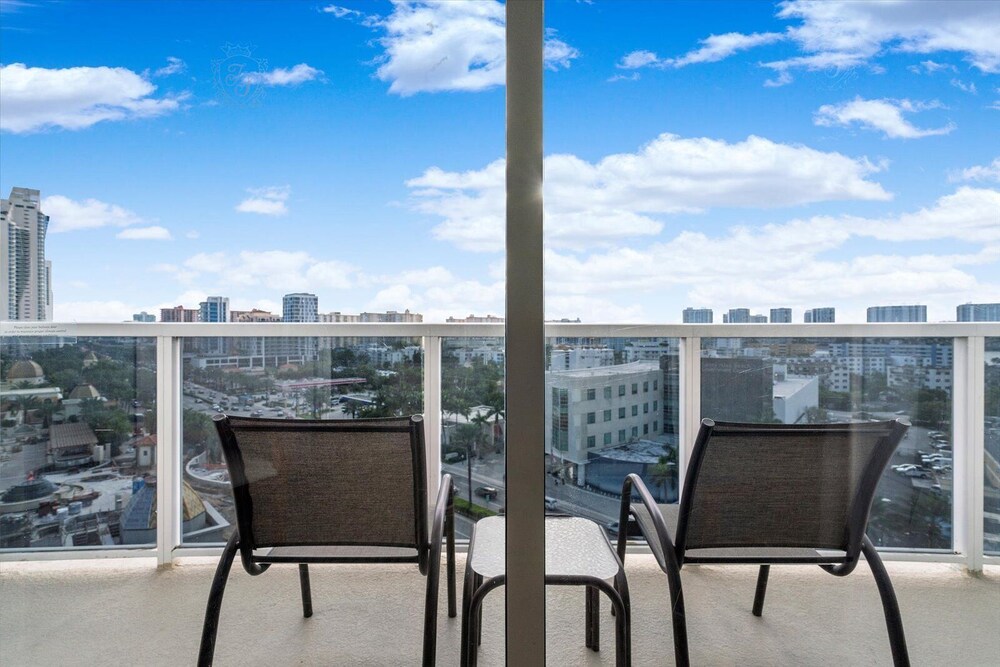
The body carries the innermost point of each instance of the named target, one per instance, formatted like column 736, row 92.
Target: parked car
column 550, row 503
column 632, row 531
column 488, row 492
column 257, row 413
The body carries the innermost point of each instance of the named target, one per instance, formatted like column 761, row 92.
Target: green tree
column 664, row 471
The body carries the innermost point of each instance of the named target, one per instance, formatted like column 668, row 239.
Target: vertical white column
column 525, row 342
column 689, row 395
column 168, row 436
column 968, row 447
column 432, row 414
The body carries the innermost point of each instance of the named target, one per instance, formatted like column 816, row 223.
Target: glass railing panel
column 77, row 442
column 280, row 378
column 823, row 380
column 611, row 409
column 473, row 427
column 991, row 438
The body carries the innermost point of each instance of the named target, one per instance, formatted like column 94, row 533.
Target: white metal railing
column 967, row 400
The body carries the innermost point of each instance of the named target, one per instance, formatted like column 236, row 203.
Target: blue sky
column 698, row 154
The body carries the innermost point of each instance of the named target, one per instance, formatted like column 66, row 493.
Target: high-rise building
column 392, row 316
column 781, row 315
column 179, row 314
column 897, row 314
column 697, row 316
column 300, row 307
column 476, row 319
column 214, row 309
column 758, row 319
column 25, row 274
column 736, row 316
column 979, row 312
column 143, row 317
column 818, row 315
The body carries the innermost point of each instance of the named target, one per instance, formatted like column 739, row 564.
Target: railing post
column 968, row 415
column 168, row 436
column 689, row 400
column 432, row 413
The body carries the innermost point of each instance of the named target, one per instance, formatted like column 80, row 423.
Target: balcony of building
column 89, row 596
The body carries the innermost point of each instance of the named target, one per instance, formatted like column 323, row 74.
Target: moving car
column 488, row 492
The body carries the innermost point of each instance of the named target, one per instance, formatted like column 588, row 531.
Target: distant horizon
column 756, row 154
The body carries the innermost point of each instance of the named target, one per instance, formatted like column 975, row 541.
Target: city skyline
column 858, row 172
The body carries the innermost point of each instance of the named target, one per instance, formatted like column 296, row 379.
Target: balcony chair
column 771, row 494
column 332, row 491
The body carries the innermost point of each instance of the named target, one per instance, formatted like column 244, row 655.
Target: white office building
column 26, row 289
column 589, row 409
column 573, row 358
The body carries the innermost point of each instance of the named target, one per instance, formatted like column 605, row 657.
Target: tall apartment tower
column 781, row 315
column 214, row 309
column 736, row 316
column 979, row 312
column 697, row 316
column 820, row 315
column 300, row 307
column 26, row 287
column 897, row 313
column 179, row 314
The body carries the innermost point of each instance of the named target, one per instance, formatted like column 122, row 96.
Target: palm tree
column 497, row 411
column 664, row 470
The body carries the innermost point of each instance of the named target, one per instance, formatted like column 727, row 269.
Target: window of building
column 591, row 417
column 621, row 413
column 645, row 429
column 635, row 431
column 635, row 410
column 645, row 408
column 591, row 441
column 607, row 415
column 621, row 435
column 645, row 386
column 655, row 408
column 635, row 387
column 591, row 394
column 655, row 383
column 607, row 392
column 607, row 438
column 621, row 390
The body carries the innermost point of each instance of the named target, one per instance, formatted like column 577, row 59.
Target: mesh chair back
column 778, row 485
column 327, row 482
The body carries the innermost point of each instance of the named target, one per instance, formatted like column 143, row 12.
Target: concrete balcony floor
column 119, row 612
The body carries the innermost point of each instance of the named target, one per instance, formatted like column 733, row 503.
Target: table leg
column 593, row 618
column 623, row 622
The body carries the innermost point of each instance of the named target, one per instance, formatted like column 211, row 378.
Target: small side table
column 577, row 553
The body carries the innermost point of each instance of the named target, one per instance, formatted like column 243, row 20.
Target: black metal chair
column 772, row 494
column 332, row 491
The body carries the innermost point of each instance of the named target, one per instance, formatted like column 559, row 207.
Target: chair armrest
column 665, row 555
column 443, row 504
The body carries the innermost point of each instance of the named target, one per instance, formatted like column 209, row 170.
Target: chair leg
column 758, row 598
column 593, row 618
column 430, row 610
column 893, row 621
column 681, row 658
column 209, row 629
column 307, row 604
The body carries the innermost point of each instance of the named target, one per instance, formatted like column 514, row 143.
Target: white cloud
column 801, row 269
column 437, row 45
column 153, row 233
column 965, row 87
column 174, row 66
column 266, row 201
column 35, row 98
column 841, row 33
column 193, row 234
column 883, row 115
column 283, row 77
column 990, row 172
column 275, row 269
column 931, row 67
column 713, row 48
column 618, row 196
column 66, row 215
column 93, row 311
